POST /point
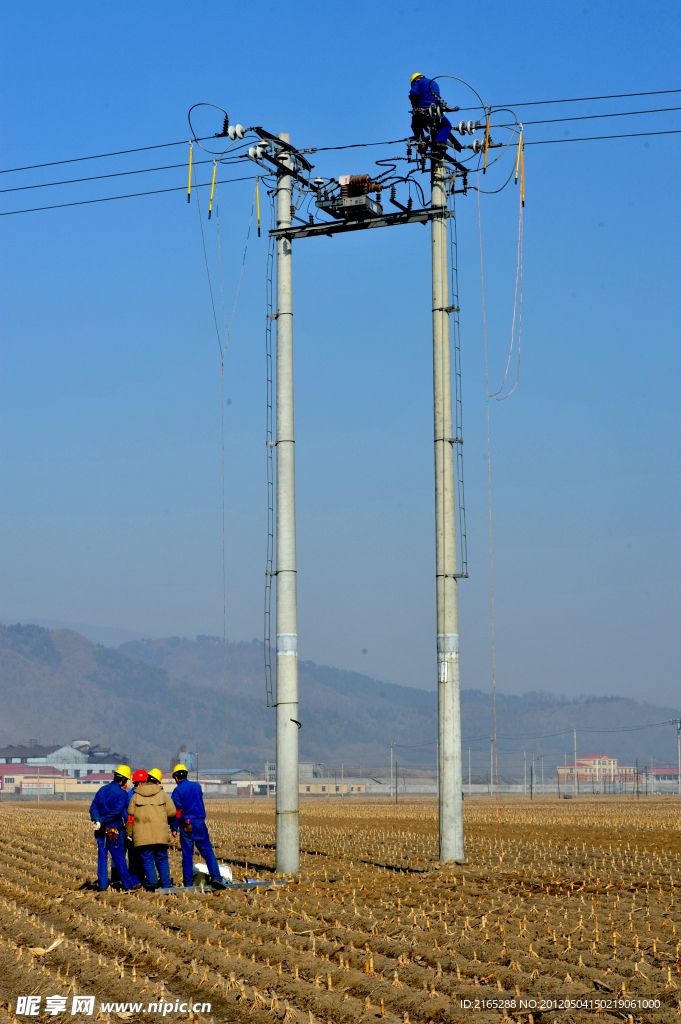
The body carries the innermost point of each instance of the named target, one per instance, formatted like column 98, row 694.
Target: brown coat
column 149, row 811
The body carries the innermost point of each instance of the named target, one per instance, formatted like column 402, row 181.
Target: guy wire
column 491, row 565
column 517, row 308
column 223, row 351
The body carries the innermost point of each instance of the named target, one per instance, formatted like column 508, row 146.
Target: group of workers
column 143, row 820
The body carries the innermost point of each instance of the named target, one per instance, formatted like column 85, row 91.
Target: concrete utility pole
column 449, row 707
column 491, row 763
column 677, row 723
column 287, row 823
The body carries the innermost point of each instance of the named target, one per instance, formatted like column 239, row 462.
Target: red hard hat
column 140, row 776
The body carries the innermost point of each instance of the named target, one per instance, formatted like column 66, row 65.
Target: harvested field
column 581, row 907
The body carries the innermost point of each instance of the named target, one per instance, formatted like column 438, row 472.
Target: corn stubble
column 556, row 900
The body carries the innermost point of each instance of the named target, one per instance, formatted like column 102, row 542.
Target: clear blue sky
column 111, row 379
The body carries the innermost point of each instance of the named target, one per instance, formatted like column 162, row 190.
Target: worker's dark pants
column 199, row 837
column 115, row 847
column 420, row 127
column 152, row 857
column 135, row 866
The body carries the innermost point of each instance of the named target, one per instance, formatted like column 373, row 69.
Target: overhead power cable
column 584, row 99
column 131, row 195
column 321, row 149
column 591, row 117
column 115, row 174
column 594, row 138
column 579, row 99
column 98, row 156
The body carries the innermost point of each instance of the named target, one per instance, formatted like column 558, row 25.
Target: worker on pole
column 108, row 812
column 150, row 812
column 428, row 122
column 190, row 819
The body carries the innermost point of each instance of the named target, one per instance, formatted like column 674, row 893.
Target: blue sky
column 111, row 374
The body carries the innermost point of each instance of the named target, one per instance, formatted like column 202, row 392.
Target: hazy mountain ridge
column 147, row 697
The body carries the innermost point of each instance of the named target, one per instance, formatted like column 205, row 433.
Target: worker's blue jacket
column 188, row 798
column 110, row 806
column 423, row 92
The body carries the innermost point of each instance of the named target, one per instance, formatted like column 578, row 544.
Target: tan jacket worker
column 149, row 812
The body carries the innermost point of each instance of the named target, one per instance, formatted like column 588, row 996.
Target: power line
column 170, row 167
column 115, row 174
column 591, row 117
column 584, row 99
column 131, row 195
column 100, row 156
column 183, row 142
column 593, row 138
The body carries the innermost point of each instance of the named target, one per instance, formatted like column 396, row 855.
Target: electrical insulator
column 462, row 128
column 393, row 194
column 478, row 146
column 231, row 131
column 240, row 131
column 471, row 127
column 408, row 151
column 252, row 153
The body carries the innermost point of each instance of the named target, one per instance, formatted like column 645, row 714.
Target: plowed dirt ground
column 560, row 900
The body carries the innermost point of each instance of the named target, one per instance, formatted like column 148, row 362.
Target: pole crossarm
column 386, row 221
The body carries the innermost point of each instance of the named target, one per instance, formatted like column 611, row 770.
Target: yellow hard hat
column 180, row 768
column 417, row 75
column 157, row 774
column 124, row 771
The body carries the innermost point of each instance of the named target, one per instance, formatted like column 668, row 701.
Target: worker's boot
column 217, row 883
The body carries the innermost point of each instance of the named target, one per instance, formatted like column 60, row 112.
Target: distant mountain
column 148, row 697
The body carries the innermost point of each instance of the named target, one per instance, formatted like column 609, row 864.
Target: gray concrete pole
column 287, row 825
column 449, row 708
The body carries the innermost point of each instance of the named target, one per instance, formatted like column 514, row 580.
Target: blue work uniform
column 191, row 818
column 110, row 807
column 423, row 92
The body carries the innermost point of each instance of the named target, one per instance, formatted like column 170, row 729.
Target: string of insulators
column 484, row 167
column 257, row 202
column 189, row 184
column 212, row 189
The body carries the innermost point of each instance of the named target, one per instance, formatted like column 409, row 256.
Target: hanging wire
column 458, row 407
column 223, row 351
column 269, row 444
column 489, row 508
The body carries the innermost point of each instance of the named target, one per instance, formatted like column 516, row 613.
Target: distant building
column 81, row 757
column 597, row 771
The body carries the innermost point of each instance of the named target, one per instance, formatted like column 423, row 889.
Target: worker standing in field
column 150, row 813
column 135, row 866
column 108, row 811
column 190, row 818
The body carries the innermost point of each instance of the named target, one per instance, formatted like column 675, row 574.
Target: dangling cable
column 491, row 564
column 223, row 351
column 517, row 309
